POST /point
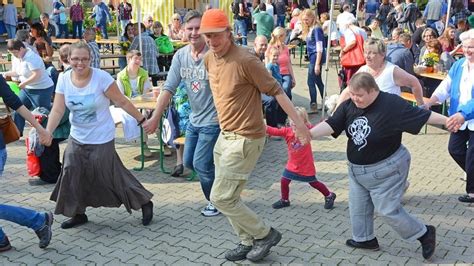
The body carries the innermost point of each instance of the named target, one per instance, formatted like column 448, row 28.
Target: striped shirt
column 95, row 59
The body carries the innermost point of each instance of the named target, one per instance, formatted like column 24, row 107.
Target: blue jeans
column 281, row 21
column 380, row 187
column 103, row 30
column 314, row 80
column 22, row 216
column 240, row 27
column 198, row 154
column 11, row 30
column 77, row 29
column 41, row 98
column 62, row 31
column 3, row 159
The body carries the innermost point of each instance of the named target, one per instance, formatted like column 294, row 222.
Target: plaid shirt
column 125, row 11
column 76, row 13
column 149, row 53
column 95, row 59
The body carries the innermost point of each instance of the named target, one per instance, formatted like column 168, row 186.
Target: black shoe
column 281, row 204
column 238, row 253
column 37, row 182
column 261, row 247
column 78, row 219
column 428, row 242
column 147, row 213
column 5, row 244
column 329, row 201
column 466, row 198
column 44, row 233
column 178, row 170
column 371, row 244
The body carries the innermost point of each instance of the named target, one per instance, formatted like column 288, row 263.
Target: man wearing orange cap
column 237, row 79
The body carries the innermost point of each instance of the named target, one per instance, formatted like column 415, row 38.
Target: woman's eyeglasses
column 77, row 60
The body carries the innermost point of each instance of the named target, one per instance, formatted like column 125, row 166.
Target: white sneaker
column 210, row 210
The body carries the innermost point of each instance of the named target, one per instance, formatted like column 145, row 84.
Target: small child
column 272, row 65
column 273, row 115
column 300, row 166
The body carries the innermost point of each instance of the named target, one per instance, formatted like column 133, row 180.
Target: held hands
column 45, row 137
column 150, row 125
column 454, row 122
column 303, row 134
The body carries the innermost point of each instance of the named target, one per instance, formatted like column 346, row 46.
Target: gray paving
column 179, row 235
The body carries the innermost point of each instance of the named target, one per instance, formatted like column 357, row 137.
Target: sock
column 321, row 187
column 285, row 188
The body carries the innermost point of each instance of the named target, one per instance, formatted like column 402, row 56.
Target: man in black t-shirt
column 378, row 163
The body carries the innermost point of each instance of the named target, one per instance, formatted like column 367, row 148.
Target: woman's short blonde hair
column 376, row 45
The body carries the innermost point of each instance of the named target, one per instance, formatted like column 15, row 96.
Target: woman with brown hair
column 93, row 174
column 448, row 40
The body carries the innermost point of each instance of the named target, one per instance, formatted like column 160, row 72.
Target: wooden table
column 148, row 104
column 3, row 63
column 110, row 42
column 436, row 75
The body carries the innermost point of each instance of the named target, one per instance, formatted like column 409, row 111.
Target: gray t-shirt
column 194, row 76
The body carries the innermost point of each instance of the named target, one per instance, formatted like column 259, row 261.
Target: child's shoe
column 281, row 204
column 329, row 201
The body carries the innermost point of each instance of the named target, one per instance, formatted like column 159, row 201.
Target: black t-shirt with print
column 375, row 132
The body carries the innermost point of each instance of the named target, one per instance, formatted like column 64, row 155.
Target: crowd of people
column 220, row 85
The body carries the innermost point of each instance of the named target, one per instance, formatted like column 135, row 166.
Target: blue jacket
column 101, row 14
column 466, row 110
column 399, row 55
column 11, row 100
column 316, row 35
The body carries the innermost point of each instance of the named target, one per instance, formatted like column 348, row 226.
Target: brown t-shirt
column 236, row 80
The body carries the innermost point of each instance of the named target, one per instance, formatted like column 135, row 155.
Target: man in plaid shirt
column 89, row 37
column 149, row 52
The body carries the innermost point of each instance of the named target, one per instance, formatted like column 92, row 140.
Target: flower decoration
column 430, row 59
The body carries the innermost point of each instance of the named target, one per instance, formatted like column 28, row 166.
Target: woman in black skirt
column 92, row 174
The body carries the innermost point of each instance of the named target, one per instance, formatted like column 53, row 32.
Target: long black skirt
column 94, row 176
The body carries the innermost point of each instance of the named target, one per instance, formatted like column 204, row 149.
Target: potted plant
column 429, row 60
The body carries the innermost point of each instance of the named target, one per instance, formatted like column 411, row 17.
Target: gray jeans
column 380, row 187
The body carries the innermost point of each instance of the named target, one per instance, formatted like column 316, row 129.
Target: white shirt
column 467, row 85
column 385, row 80
column 91, row 121
column 270, row 9
column 334, row 34
column 32, row 61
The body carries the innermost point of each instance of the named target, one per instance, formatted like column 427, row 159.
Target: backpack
column 170, row 128
column 164, row 45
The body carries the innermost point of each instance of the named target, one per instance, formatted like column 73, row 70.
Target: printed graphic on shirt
column 195, row 86
column 193, row 73
column 82, row 106
column 359, row 130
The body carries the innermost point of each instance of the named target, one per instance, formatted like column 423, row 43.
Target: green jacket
column 123, row 77
column 31, row 10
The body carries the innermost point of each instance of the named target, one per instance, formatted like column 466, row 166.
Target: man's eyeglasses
column 176, row 19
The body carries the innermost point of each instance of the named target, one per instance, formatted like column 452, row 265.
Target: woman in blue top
column 314, row 36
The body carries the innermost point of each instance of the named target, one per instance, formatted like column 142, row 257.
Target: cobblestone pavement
column 179, row 235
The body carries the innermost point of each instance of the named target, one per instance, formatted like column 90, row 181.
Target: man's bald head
column 260, row 44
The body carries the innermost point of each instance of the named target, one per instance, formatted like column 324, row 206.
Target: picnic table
column 111, row 42
column 148, row 103
column 434, row 75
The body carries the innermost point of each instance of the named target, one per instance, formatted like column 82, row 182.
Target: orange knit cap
column 214, row 20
